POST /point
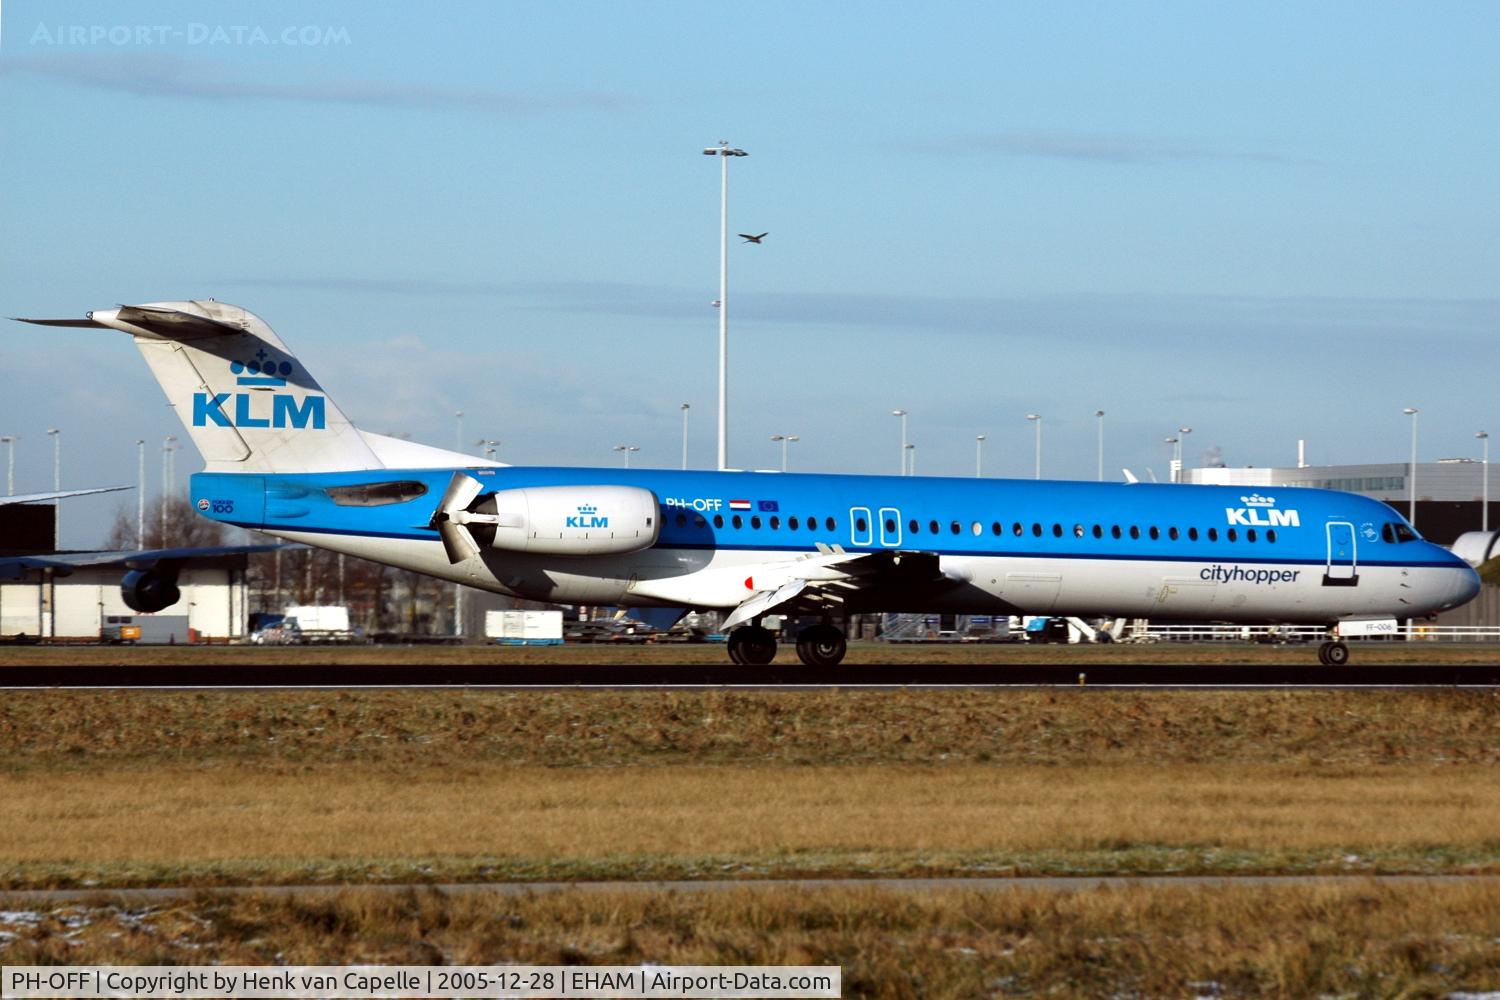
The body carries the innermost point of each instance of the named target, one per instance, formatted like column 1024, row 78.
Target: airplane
column 149, row 583
column 753, row 239
column 282, row 458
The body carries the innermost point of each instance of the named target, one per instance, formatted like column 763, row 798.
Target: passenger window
column 1114, row 532
column 1135, row 532
column 977, row 528
column 1192, row 534
column 996, row 529
column 698, row 521
column 1098, row 531
column 1077, row 531
column 1172, row 534
column 932, row 526
column 1213, row 534
column 1036, row 529
column 890, row 526
column 828, row 523
column 775, row 522
column 1154, row 533
column 682, row 520
column 718, row 520
column 1232, row 535
column 1270, row 534
column 1056, row 530
column 812, row 524
column 955, row 527
column 1250, row 535
column 1016, row 529
column 913, row 526
column 860, row 525
column 738, row 521
column 791, row 522
column 755, row 521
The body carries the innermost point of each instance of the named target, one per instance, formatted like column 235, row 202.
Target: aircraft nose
column 1465, row 586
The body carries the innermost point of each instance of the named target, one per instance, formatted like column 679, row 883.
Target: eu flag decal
column 768, row 506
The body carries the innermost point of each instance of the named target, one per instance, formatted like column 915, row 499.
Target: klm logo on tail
column 262, row 373
column 588, row 517
column 1261, row 512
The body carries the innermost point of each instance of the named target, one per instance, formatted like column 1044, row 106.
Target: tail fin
column 246, row 402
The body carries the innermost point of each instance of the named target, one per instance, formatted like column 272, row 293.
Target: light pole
column 1182, row 433
column 626, row 449
column 167, row 448
column 785, row 440
column 685, row 408
column 1484, row 480
column 458, row 432
column 140, row 493
column 56, row 436
column 911, row 450
column 978, row 456
column 902, row 453
column 9, row 441
column 1411, row 480
column 1037, row 418
column 723, row 151
column 1100, row 415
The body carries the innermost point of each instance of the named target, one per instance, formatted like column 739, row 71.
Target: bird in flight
column 753, row 239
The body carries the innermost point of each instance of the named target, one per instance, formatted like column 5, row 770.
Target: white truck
column 524, row 628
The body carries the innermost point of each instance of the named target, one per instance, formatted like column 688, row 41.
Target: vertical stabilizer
column 246, row 401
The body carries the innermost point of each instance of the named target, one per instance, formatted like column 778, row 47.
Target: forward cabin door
column 1343, row 558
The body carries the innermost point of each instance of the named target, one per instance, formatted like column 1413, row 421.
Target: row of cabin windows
column 914, row 527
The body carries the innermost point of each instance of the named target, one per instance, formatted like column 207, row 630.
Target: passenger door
column 1343, row 556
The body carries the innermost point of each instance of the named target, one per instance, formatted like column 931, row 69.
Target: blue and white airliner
column 281, row 458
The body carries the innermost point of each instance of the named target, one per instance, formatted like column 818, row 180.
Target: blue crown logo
column 1256, row 500
column 263, row 371
column 587, row 509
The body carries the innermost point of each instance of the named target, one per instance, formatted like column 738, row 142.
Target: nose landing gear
column 1333, row 653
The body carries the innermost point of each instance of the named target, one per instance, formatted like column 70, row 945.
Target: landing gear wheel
column 821, row 646
column 1333, row 654
column 752, row 646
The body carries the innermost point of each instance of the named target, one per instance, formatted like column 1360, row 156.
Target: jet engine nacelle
column 149, row 590
column 565, row 520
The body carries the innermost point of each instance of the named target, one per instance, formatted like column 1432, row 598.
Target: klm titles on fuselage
column 1261, row 512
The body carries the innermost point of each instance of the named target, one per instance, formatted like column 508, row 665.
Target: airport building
column 86, row 604
column 1449, row 492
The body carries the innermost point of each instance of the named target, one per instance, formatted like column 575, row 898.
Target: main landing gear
column 817, row 646
column 1333, row 653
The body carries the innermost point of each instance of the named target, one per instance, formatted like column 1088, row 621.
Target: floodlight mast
column 724, row 151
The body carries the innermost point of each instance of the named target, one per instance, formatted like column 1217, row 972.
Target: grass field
column 262, row 787
column 1234, row 941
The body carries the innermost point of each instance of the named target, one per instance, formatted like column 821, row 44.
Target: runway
column 251, row 675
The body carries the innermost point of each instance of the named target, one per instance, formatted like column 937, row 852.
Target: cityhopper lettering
column 1261, row 512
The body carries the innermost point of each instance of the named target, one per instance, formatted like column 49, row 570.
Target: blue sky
column 1264, row 221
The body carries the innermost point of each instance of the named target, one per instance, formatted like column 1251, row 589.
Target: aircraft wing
column 11, row 567
column 41, row 497
column 834, row 577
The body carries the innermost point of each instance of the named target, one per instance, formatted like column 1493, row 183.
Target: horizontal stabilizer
column 61, row 322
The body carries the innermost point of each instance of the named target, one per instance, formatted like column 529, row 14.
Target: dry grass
column 59, row 730
column 1083, row 655
column 215, row 787
column 1233, row 941
column 235, row 824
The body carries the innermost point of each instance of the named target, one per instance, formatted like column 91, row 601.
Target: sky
column 1266, row 222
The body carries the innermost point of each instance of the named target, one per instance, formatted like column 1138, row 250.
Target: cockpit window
column 1387, row 533
column 376, row 494
column 1404, row 534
